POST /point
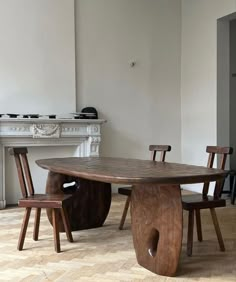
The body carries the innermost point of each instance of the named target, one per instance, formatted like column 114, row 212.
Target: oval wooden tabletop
column 130, row 171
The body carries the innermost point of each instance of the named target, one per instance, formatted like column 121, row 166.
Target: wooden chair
column 194, row 203
column 31, row 200
column 128, row 189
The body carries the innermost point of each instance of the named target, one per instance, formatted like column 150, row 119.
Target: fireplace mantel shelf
column 83, row 133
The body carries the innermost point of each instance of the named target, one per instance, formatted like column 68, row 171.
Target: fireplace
column 30, row 132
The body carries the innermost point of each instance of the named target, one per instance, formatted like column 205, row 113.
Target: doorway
column 226, row 84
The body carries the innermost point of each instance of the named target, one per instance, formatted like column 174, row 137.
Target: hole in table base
column 152, row 242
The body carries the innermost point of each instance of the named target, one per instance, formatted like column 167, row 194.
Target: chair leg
column 199, row 225
column 23, row 229
column 217, row 229
column 233, row 191
column 66, row 224
column 122, row 221
column 190, row 233
column 56, row 230
column 36, row 224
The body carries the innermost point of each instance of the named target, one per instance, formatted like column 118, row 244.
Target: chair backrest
column 159, row 148
column 23, row 170
column 222, row 152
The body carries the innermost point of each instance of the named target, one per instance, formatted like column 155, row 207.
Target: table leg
column 157, row 226
column 90, row 204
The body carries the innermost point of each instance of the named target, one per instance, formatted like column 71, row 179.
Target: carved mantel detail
column 46, row 130
column 85, row 134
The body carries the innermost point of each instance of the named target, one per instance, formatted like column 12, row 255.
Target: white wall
column 170, row 93
column 37, row 71
column 141, row 104
column 37, row 66
column 37, row 56
column 198, row 75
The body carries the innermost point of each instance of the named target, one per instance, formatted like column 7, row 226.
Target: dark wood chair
column 128, row 189
column 196, row 202
column 56, row 202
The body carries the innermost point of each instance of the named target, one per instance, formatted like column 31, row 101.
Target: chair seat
column 197, row 201
column 125, row 191
column 45, row 201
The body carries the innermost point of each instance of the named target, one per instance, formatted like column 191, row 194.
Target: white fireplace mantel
column 83, row 133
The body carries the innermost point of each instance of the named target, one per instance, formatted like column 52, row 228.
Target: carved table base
column 90, row 204
column 157, row 226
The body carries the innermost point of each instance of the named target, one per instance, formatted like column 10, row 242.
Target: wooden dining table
column 156, row 206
